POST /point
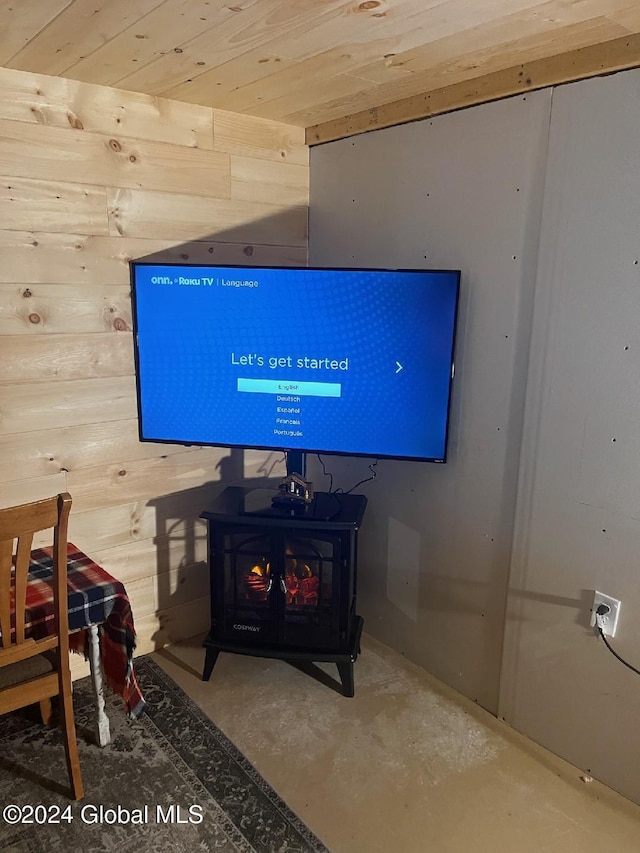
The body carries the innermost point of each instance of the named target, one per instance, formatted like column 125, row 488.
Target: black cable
column 614, row 653
column 326, row 473
column 342, row 491
column 366, row 479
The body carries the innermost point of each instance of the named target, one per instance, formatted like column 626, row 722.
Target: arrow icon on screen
column 399, row 367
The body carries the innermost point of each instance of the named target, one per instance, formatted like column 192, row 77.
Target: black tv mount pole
column 296, row 463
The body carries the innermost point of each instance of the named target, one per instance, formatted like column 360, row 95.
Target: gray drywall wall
column 578, row 518
column 460, row 191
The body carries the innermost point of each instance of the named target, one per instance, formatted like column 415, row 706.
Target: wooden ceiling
column 334, row 67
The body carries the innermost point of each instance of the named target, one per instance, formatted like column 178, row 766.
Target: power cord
column 349, row 491
column 374, row 473
column 326, row 473
column 602, row 611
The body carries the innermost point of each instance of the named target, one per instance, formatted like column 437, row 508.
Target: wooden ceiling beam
column 593, row 61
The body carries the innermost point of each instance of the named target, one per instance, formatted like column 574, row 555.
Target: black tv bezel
column 133, row 264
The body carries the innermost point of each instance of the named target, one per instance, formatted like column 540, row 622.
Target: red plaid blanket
column 95, row 598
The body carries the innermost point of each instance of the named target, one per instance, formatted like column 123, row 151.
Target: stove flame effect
column 300, row 582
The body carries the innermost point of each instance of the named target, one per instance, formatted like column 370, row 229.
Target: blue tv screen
column 319, row 360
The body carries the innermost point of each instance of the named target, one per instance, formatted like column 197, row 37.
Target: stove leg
column 209, row 662
column 345, row 671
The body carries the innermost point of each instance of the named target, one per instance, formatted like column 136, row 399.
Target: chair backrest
column 20, row 523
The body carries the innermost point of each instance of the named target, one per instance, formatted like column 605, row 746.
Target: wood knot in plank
column 35, row 318
column 114, row 145
column 74, row 121
column 119, row 324
column 26, row 293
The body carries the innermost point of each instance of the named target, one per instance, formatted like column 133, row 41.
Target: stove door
column 310, row 590
column 249, row 600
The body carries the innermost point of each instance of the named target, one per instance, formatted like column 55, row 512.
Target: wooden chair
column 36, row 670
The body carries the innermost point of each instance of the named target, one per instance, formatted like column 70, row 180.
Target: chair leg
column 45, row 711
column 68, row 725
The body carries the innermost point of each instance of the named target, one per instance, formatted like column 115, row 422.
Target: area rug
column 168, row 781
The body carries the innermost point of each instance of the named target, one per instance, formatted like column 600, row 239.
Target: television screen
column 349, row 361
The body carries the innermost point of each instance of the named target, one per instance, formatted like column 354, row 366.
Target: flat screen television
column 301, row 360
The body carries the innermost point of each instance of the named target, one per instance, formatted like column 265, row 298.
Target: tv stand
column 284, row 585
column 296, row 462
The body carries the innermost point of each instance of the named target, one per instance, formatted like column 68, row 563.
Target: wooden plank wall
column 91, row 177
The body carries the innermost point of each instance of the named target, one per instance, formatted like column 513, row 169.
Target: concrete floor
column 406, row 766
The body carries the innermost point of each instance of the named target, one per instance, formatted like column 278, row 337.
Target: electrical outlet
column 608, row 622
